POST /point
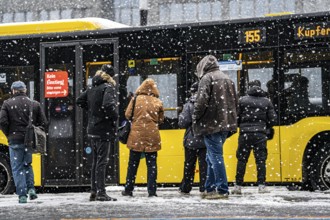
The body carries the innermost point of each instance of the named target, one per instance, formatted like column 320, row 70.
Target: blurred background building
column 159, row 11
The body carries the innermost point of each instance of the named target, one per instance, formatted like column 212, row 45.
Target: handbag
column 125, row 129
column 35, row 136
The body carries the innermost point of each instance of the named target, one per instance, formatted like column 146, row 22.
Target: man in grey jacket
column 214, row 117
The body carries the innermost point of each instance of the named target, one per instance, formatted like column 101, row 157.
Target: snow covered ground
column 279, row 204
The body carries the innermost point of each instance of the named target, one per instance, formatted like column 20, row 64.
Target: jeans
column 216, row 172
column 191, row 156
column 20, row 161
column 101, row 149
column 247, row 142
column 133, row 165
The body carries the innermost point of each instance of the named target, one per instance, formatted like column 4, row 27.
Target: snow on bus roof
column 58, row 26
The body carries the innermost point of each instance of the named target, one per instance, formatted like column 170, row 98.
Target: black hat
column 254, row 83
column 107, row 68
column 194, row 87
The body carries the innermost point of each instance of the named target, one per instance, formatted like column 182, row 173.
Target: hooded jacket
column 100, row 101
column 255, row 112
column 215, row 106
column 148, row 114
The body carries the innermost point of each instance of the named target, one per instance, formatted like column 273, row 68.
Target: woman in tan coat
column 144, row 136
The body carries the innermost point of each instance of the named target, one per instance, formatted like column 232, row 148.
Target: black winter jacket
column 100, row 101
column 255, row 112
column 14, row 117
column 185, row 121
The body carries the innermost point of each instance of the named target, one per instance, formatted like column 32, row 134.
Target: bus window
column 306, row 86
column 165, row 72
column 10, row 74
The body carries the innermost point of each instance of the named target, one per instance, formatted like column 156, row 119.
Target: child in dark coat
column 194, row 147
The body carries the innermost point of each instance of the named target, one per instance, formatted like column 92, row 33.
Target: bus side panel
column 170, row 159
column 273, row 171
column 3, row 139
column 295, row 139
column 36, row 165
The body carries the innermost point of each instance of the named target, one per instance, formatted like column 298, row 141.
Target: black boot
column 92, row 197
column 104, row 197
column 127, row 193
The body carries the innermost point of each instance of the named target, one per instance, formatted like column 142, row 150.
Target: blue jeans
column 20, row 161
column 216, row 172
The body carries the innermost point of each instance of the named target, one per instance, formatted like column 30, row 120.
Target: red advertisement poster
column 56, row 84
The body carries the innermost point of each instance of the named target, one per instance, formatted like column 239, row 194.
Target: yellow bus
column 278, row 51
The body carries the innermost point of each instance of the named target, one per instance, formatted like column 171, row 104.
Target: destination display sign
column 312, row 30
column 56, row 84
column 230, row 65
column 251, row 35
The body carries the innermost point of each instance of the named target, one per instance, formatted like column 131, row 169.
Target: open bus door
column 66, row 71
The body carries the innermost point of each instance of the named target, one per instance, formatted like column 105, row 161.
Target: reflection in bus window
column 298, row 96
column 10, row 74
column 166, row 95
column 305, row 85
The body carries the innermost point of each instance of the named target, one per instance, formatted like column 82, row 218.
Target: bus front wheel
column 6, row 179
column 321, row 173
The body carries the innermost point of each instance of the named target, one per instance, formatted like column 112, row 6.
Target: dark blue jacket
column 255, row 112
column 185, row 121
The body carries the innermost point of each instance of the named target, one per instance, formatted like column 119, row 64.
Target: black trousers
column 191, row 156
column 101, row 149
column 133, row 165
column 246, row 143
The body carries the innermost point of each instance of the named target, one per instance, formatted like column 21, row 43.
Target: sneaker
column 32, row 194
column 203, row 194
column 92, row 197
column 22, row 199
column 126, row 193
column 215, row 195
column 263, row 189
column 104, row 197
column 237, row 190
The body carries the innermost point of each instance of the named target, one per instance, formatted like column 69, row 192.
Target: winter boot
column 152, row 194
column 237, row 190
column 104, row 197
column 32, row 194
column 22, row 199
column 126, row 193
column 263, row 189
column 92, row 197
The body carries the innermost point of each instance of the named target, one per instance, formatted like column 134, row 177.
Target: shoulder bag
column 125, row 129
column 35, row 136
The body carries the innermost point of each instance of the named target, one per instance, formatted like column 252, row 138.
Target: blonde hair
column 105, row 77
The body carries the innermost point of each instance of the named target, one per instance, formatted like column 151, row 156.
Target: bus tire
column 321, row 174
column 7, row 185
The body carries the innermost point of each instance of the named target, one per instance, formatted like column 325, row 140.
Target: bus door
column 258, row 65
column 67, row 71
